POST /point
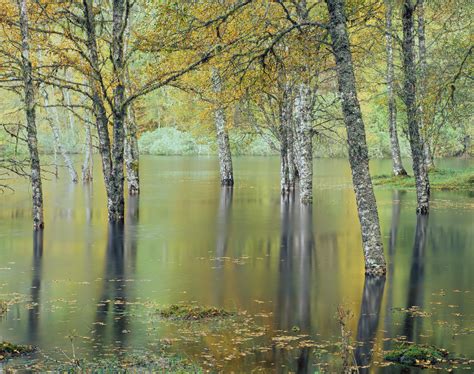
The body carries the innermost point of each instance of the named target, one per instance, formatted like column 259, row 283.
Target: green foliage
column 189, row 312
column 416, row 355
column 440, row 179
column 171, row 141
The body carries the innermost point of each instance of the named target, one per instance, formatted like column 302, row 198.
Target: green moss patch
column 416, row 355
column 8, row 350
column 190, row 312
column 440, row 179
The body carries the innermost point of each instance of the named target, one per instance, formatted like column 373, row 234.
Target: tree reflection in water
column 34, row 311
column 120, row 256
column 294, row 282
column 417, row 276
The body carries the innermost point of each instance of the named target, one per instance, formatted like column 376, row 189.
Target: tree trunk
column 116, row 213
column 358, row 153
column 421, row 92
column 225, row 157
column 88, row 165
column 30, row 104
column 132, row 154
column 304, row 143
column 397, row 166
column 288, row 169
column 409, row 95
column 54, row 124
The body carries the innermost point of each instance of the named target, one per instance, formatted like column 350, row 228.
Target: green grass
column 189, row 312
column 440, row 179
column 416, row 355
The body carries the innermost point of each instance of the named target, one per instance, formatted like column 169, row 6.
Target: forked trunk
column 358, row 153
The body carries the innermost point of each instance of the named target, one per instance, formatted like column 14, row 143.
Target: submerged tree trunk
column 397, row 166
column 409, row 96
column 30, row 103
column 223, row 145
column 358, row 153
column 421, row 92
column 54, row 124
column 88, row 165
column 304, row 137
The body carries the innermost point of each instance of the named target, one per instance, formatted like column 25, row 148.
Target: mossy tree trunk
column 409, row 97
column 30, row 110
column 358, row 153
column 397, row 166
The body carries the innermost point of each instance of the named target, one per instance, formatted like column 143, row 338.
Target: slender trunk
column 54, row 124
column 304, row 143
column 119, row 112
column 30, row 109
column 358, row 153
column 397, row 166
column 409, row 96
column 88, row 165
column 422, row 84
column 225, row 157
column 288, row 169
column 132, row 154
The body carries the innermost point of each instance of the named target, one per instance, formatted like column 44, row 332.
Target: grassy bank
column 440, row 179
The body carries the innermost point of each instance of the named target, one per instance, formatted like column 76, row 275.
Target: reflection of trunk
column 293, row 307
column 223, row 218
column 358, row 153
column 113, row 299
column 417, row 276
column 30, row 102
column 409, row 96
column 33, row 312
column 397, row 166
column 421, row 92
column 88, row 165
column 223, row 145
column 288, row 169
column 368, row 320
column 54, row 124
column 304, row 142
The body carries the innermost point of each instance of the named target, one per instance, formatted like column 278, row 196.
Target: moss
column 189, row 312
column 3, row 307
column 416, row 355
column 8, row 350
column 440, row 179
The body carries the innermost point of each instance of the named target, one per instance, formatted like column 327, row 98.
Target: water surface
column 187, row 240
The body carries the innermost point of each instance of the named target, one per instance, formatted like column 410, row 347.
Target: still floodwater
column 289, row 267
